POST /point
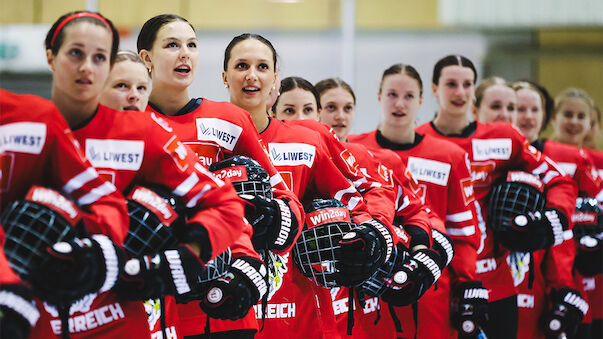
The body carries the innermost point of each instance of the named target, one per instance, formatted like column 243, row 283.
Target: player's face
column 127, row 88
column 529, row 115
column 337, row 111
column 174, row 56
column 498, row 104
column 572, row 121
column 400, row 99
column 454, row 91
column 296, row 104
column 81, row 65
column 250, row 75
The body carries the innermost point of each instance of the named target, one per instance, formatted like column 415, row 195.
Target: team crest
column 153, row 309
column 519, row 262
column 277, row 267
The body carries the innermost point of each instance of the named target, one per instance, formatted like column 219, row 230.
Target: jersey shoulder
column 361, row 138
column 27, row 107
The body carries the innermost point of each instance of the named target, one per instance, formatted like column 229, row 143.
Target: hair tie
column 75, row 16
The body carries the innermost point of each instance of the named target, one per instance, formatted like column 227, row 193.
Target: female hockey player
column 127, row 88
column 495, row 100
column 493, row 150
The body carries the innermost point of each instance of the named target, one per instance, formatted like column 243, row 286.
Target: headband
column 75, row 16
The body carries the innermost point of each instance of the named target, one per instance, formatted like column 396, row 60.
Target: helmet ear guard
column 246, row 175
column 43, row 218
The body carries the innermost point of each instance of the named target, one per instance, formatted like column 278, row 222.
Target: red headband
column 75, row 16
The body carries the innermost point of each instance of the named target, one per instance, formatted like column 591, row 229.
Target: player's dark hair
column 452, row 60
column 56, row 35
column 243, row 37
column 324, row 85
column 148, row 32
column 402, row 69
column 291, row 83
column 548, row 104
column 480, row 90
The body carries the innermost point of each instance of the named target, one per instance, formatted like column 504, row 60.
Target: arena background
column 558, row 43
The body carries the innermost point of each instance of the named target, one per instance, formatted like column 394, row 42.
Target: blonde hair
column 575, row 93
column 484, row 85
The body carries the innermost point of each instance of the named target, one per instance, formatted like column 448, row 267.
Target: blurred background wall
column 558, row 43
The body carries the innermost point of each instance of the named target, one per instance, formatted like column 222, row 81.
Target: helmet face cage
column 509, row 199
column 147, row 234
column 217, row 267
column 30, row 229
column 377, row 284
column 256, row 188
column 314, row 252
column 255, row 181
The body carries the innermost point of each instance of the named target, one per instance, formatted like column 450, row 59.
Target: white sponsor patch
column 292, row 154
column 485, row 149
column 23, row 137
column 568, row 168
column 115, row 154
column 222, row 132
column 429, row 170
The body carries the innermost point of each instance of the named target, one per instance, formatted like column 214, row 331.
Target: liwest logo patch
column 115, row 154
column 222, row 132
column 429, row 170
column 23, row 137
column 292, row 154
column 484, row 149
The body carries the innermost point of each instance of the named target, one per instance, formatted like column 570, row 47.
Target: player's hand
column 443, row 245
column 589, row 255
column 533, row 231
column 230, row 297
column 567, row 311
column 18, row 313
column 274, row 224
column 469, row 307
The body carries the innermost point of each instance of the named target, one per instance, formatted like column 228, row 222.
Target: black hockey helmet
column 154, row 216
column 520, row 193
column 31, row 225
column 327, row 220
column 587, row 218
column 247, row 175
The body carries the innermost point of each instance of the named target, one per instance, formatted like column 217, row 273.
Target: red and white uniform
column 148, row 153
column 216, row 131
column 493, row 150
column 444, row 184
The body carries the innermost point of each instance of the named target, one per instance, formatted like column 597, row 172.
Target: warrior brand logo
column 485, row 265
column 476, row 293
column 115, row 154
column 480, row 173
column 177, row 151
column 256, row 278
column 292, row 154
column 155, row 203
column 525, row 300
column 350, row 161
column 429, row 170
column 82, row 305
column 164, row 124
column 484, row 149
column 234, row 173
column 575, row 300
column 584, row 218
column 55, row 201
column 23, row 137
column 327, row 216
column 178, row 276
column 389, row 243
column 222, row 132
column 444, row 243
column 526, row 178
column 285, row 229
column 429, row 263
column 553, row 218
column 568, row 168
column 276, row 311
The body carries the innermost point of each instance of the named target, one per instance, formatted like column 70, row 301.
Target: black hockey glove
column 18, row 313
column 230, row 297
column 567, row 311
column 171, row 272
column 443, row 245
column 363, row 250
column 274, row 224
column 76, row 268
column 589, row 255
column 411, row 279
column 533, row 231
column 469, row 308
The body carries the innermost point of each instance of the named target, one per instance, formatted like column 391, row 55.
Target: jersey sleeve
column 104, row 207
column 243, row 247
column 557, row 265
column 210, row 203
column 589, row 183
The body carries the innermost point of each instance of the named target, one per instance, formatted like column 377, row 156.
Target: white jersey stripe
column 275, row 179
column 459, row 217
column 353, row 202
column 405, row 204
column 398, row 195
column 541, row 169
column 187, row 185
column 465, row 231
column 193, row 202
column 340, row 193
column 97, row 193
column 360, row 182
column 80, row 180
column 205, row 171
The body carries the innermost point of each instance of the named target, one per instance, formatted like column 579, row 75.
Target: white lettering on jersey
column 276, row 311
column 90, row 320
column 371, row 305
column 485, row 265
column 429, row 170
column 525, row 300
column 115, row 154
column 23, row 137
column 170, row 333
column 292, row 154
column 484, row 149
column 224, row 133
column 568, row 168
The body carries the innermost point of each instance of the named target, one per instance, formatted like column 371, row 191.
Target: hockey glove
column 589, row 255
column 230, row 297
column 469, row 307
column 363, row 250
column 567, row 311
column 274, row 224
column 18, row 313
column 413, row 278
column 443, row 245
column 76, row 268
column 533, row 231
column 171, row 272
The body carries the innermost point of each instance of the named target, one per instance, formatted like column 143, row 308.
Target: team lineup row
column 158, row 215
